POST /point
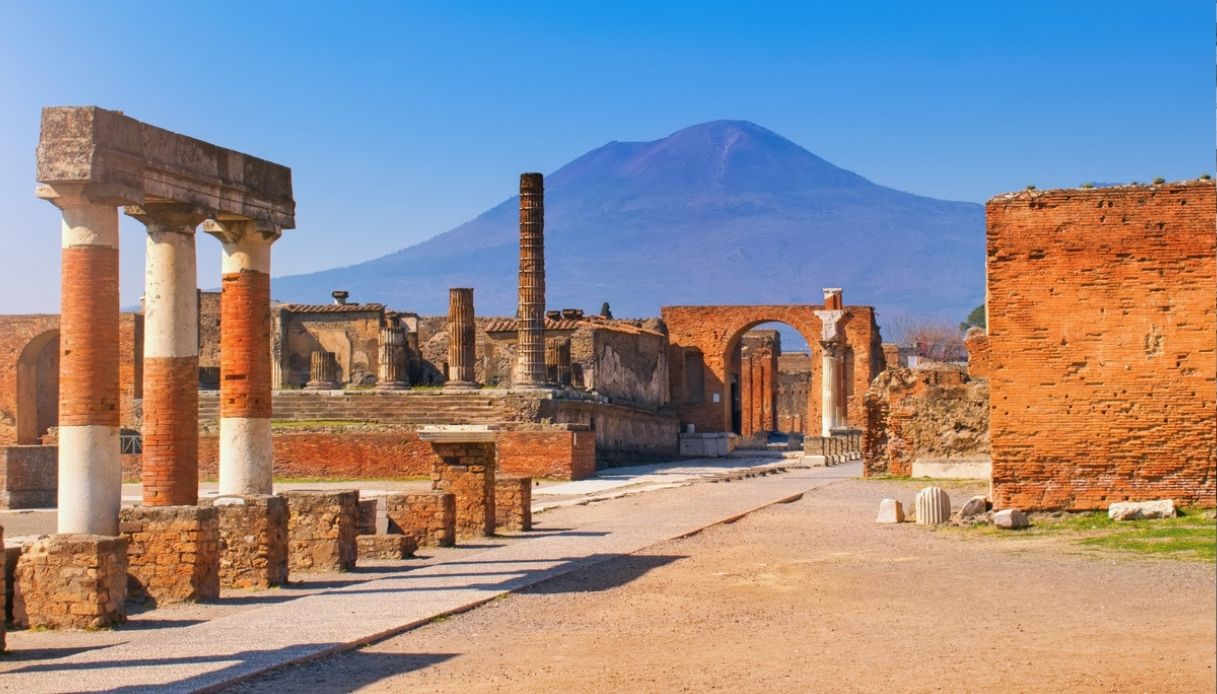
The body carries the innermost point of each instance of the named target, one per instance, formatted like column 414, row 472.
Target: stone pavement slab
column 209, row 655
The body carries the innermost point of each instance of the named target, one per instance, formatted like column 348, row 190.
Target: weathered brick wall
column 924, row 413
column 512, row 502
column 253, row 539
column 977, row 344
column 1103, row 345
column 552, row 453
column 623, row 435
column 714, row 331
column 466, row 470
column 321, row 530
column 794, row 388
column 28, row 476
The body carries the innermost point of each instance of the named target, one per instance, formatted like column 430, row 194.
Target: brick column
column 462, row 340
column 170, row 465
column 245, row 369
column 90, row 476
column 530, row 348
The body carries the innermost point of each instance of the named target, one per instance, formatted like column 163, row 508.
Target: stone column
column 832, row 371
column 170, row 464
column 530, row 348
column 90, row 476
column 245, row 372
column 391, row 366
column 322, row 371
column 462, row 340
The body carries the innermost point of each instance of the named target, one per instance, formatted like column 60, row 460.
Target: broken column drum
column 530, row 347
column 462, row 339
column 391, row 371
column 323, row 371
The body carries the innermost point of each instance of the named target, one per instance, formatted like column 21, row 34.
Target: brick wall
column 794, row 384
column 977, row 344
column 567, row 455
column 1103, row 345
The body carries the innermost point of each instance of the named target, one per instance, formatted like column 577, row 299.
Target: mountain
column 722, row 212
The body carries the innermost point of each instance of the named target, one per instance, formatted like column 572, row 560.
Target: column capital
column 238, row 230
column 167, row 215
column 833, row 348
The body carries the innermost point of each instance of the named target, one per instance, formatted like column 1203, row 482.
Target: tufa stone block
column 321, row 530
column 71, row 582
column 890, row 511
column 1011, row 519
column 253, row 540
column 428, row 517
column 173, row 553
column 513, row 503
column 396, row 547
column 1139, row 510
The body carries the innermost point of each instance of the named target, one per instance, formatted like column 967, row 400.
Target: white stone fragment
column 1138, row 510
column 975, row 506
column 890, row 511
column 1011, row 519
column 933, row 506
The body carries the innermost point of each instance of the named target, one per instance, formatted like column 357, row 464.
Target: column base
column 322, row 385
column 173, row 553
column 71, row 582
column 429, row 518
column 394, row 547
column 321, row 530
column 462, row 385
column 513, row 503
column 253, row 534
column 391, row 386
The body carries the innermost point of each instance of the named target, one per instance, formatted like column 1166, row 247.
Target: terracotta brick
column 245, row 373
column 512, row 502
column 1103, row 345
column 89, row 337
column 170, row 438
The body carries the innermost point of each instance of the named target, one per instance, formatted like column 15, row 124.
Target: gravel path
column 813, row 596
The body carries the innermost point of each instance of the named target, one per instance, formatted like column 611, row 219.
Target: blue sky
column 401, row 120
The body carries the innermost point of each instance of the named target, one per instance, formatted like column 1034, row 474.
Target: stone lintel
column 458, row 434
column 126, row 162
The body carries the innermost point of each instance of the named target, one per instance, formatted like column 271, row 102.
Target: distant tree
column 605, row 311
column 936, row 340
column 976, row 319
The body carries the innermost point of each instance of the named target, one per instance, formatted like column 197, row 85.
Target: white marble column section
column 90, row 474
column 246, row 449
column 832, row 371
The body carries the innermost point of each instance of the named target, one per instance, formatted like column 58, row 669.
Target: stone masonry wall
column 428, row 517
column 513, row 503
column 253, row 540
column 173, row 553
column 71, row 582
column 466, row 470
column 924, row 413
column 321, row 530
column 1103, row 345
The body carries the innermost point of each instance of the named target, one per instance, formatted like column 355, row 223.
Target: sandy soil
column 813, row 596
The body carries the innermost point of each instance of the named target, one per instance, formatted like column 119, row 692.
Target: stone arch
column 38, row 387
column 716, row 330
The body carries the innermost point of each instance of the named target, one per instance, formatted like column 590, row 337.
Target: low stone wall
column 71, row 582
column 924, row 413
column 394, row 547
column 253, row 540
column 427, row 517
column 173, row 553
column 624, row 435
column 564, row 454
column 28, row 476
column 321, row 530
column 513, row 503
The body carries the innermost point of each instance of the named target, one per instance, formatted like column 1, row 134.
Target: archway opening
column 38, row 388
column 769, row 373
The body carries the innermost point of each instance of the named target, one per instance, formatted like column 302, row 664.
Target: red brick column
column 245, row 370
column 170, row 467
column 530, row 350
column 90, row 475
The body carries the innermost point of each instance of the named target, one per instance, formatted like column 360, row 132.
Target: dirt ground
column 814, row 596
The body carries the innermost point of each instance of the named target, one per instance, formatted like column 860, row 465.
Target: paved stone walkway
column 209, row 655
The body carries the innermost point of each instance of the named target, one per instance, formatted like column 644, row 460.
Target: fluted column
column 391, row 366
column 322, row 371
column 245, row 372
column 170, row 462
column 90, row 476
column 530, row 347
column 462, row 340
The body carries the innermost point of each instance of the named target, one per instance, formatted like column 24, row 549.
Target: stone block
column 71, row 582
column 321, row 530
column 976, row 506
column 395, row 547
column 1139, row 510
column 466, row 470
column 890, row 511
column 29, row 476
column 1011, row 519
column 367, row 516
column 173, row 553
column 253, row 540
column 933, row 506
column 513, row 503
column 428, row 517
column 12, row 553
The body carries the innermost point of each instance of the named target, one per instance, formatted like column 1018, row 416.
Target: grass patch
column 1190, row 536
column 316, row 480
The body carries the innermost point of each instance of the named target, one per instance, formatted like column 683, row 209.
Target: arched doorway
column 769, row 371
column 38, row 387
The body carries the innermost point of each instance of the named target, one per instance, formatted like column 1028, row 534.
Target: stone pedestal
column 465, row 469
column 323, row 372
column 321, row 530
column 429, row 518
column 253, row 540
column 173, row 553
column 28, row 476
column 513, row 503
column 395, row 547
column 71, row 582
